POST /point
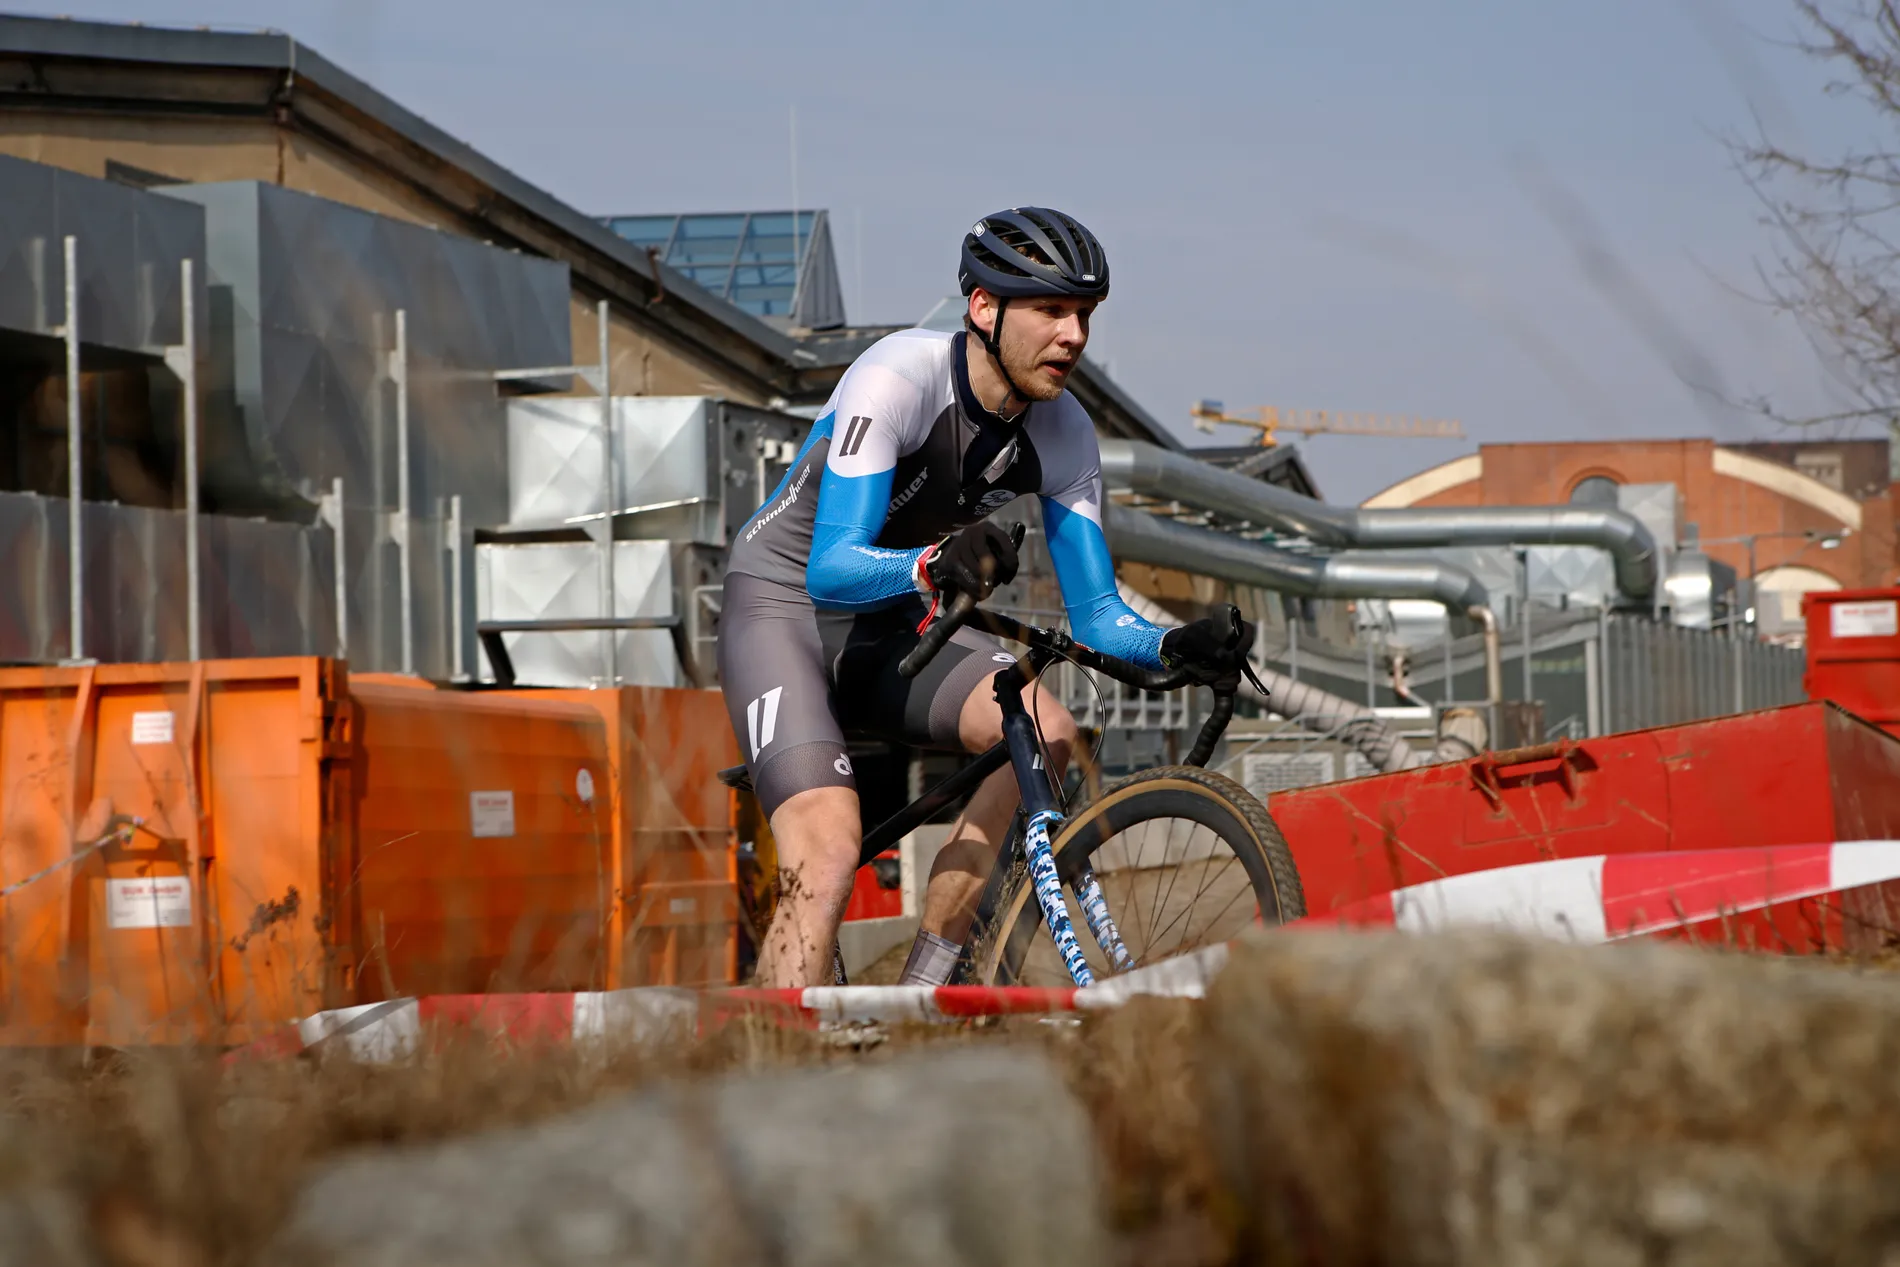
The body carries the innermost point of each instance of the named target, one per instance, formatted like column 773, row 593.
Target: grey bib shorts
column 797, row 678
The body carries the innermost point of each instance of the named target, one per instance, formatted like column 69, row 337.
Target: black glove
column 1213, row 649
column 973, row 561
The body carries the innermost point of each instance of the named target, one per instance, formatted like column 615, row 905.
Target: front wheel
column 1186, row 858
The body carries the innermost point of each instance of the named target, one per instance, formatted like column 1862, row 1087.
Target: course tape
column 1591, row 900
column 1599, row 899
column 389, row 1029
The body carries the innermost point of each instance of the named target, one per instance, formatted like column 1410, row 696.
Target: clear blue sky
column 1344, row 206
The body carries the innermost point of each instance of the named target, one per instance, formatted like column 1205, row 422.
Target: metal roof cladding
column 53, row 64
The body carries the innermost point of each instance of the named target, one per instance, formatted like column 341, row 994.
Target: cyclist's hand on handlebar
column 1212, row 650
column 973, row 561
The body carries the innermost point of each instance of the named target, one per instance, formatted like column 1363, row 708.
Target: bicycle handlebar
column 1211, row 728
column 963, row 607
column 936, row 634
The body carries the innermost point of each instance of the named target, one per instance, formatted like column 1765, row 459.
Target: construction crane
column 1267, row 419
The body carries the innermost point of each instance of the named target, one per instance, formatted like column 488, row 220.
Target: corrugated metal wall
column 267, row 586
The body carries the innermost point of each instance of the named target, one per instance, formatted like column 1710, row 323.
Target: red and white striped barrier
column 1601, row 899
column 385, row 1031
column 1590, row 900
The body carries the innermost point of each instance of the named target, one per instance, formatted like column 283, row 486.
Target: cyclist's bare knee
column 980, row 725
column 817, row 832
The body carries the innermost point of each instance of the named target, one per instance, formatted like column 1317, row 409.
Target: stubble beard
column 1024, row 371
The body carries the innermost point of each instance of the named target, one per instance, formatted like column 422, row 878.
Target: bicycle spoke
column 1216, row 871
column 1174, row 872
column 1159, row 916
column 1223, row 910
column 1139, row 871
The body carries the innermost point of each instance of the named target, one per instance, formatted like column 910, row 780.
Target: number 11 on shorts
column 761, row 734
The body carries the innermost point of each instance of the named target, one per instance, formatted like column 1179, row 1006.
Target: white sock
column 932, row 960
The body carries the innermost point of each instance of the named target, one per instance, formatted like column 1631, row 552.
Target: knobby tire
column 1180, row 792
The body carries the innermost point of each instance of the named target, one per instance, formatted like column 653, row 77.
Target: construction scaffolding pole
column 399, row 373
column 600, row 376
column 342, row 578
column 455, row 588
column 182, row 359
column 75, row 488
column 609, row 607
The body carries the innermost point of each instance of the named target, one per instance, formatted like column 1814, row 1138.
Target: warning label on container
column 151, row 728
column 492, row 813
column 1864, row 620
column 157, row 901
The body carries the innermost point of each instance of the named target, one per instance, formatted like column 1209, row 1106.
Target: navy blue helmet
column 1032, row 251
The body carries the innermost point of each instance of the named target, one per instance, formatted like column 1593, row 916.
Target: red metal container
column 1854, row 652
column 869, row 898
column 1801, row 774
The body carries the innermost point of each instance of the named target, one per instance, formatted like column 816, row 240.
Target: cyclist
column 881, row 515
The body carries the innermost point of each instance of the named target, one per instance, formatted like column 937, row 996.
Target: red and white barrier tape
column 1601, row 899
column 1589, row 900
column 383, row 1031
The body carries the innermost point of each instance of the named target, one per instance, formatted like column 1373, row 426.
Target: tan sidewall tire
column 1242, row 822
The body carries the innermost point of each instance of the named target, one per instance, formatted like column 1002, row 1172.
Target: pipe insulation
column 1156, row 472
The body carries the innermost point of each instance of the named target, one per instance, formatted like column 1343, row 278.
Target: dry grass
column 179, row 1160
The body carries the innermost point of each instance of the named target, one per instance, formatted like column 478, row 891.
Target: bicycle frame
column 1041, row 817
column 1021, row 749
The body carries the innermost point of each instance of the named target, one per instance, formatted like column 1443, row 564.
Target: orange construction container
column 1854, row 652
column 676, row 913
column 197, row 852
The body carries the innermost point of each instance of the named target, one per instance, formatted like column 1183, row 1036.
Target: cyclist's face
column 1042, row 339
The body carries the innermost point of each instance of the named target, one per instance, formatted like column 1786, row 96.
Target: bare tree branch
column 1837, row 217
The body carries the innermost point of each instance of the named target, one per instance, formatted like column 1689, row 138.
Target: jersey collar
column 966, row 395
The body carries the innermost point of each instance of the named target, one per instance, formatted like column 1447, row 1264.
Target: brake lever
column 1246, row 663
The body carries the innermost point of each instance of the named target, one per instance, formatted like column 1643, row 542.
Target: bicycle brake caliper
column 1055, row 912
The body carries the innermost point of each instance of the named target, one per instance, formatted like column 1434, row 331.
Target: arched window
column 1778, row 597
column 1594, row 490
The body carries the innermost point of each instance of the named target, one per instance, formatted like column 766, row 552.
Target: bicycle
column 1048, row 851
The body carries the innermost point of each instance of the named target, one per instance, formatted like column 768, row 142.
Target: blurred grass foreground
column 1337, row 1098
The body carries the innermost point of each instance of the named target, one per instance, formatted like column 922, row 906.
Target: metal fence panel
column 1661, row 675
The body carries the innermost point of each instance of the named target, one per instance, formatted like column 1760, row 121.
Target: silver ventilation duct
column 1156, row 472
column 1144, row 538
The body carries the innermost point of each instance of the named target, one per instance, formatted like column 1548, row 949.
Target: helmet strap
column 993, row 344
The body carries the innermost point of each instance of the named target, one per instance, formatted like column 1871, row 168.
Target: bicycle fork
column 1042, row 818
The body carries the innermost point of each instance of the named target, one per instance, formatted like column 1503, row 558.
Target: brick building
column 1798, row 516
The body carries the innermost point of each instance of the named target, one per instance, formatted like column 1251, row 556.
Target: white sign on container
column 1879, row 619
column 151, row 728
column 492, row 813
column 153, row 901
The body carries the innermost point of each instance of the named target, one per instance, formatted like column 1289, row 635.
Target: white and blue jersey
column 904, row 454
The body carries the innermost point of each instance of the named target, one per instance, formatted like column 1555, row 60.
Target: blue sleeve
column 846, row 570
column 1098, row 617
